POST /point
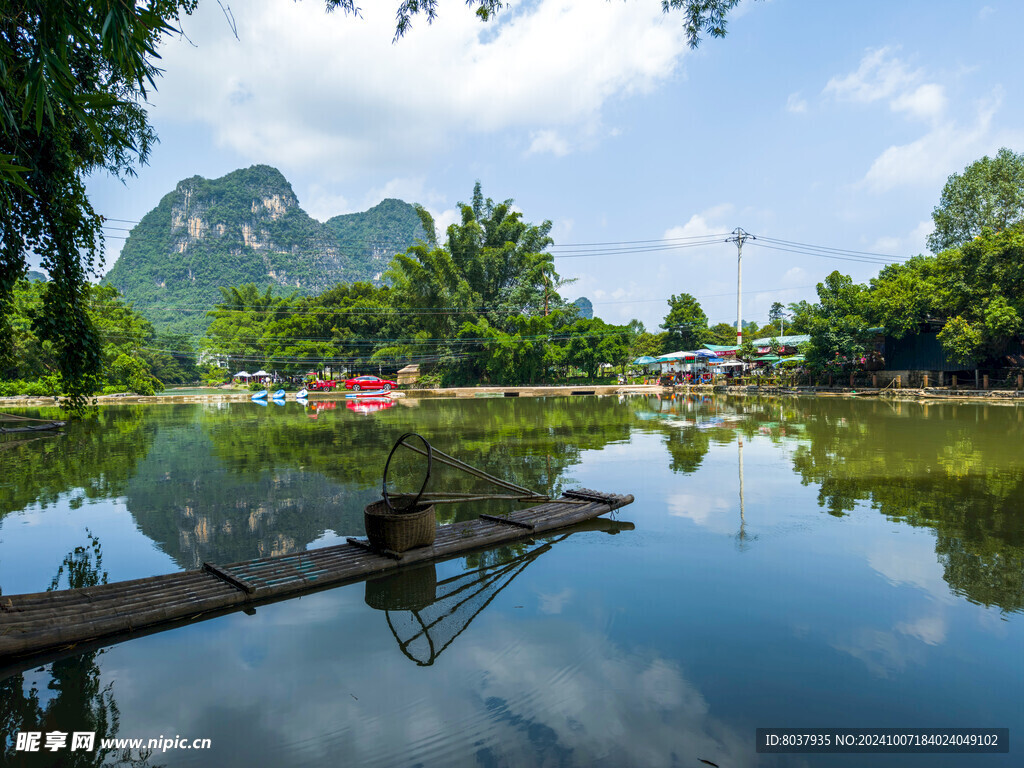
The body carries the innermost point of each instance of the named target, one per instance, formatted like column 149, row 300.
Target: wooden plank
column 220, row 573
column 507, row 521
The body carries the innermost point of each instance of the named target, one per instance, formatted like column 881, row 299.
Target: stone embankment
column 227, row 396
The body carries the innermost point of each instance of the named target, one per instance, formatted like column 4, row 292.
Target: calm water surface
column 792, row 562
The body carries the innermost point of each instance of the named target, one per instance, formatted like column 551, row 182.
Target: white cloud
column 947, row 148
column 911, row 562
column 443, row 220
column 911, row 244
column 308, row 89
column 718, row 514
column 930, row 630
column 707, row 222
column 882, row 76
column 879, row 76
column 561, row 230
column 796, row 103
column 554, row 603
column 927, row 101
column 547, row 141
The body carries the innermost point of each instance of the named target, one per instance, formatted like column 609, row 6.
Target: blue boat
column 261, row 395
column 279, row 394
column 302, row 394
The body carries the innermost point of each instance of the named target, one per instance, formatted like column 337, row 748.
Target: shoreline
column 1007, row 396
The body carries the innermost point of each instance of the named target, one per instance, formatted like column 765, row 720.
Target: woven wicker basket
column 399, row 531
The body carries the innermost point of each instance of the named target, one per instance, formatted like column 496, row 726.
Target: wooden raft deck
column 33, row 623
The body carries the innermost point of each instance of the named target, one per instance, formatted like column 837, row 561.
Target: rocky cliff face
column 248, row 227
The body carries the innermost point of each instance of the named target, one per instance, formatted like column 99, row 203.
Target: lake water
column 791, row 563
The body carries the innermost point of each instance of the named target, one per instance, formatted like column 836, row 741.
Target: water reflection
column 426, row 616
column 229, row 483
column 836, row 565
column 74, row 699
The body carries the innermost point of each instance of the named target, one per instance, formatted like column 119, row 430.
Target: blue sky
column 827, row 123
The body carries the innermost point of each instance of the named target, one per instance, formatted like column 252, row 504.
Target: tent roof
column 243, row 373
column 645, row 360
column 721, row 348
column 786, row 341
column 261, row 373
column 677, row 356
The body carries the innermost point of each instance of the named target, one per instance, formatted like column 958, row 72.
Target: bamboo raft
column 49, row 621
column 26, row 424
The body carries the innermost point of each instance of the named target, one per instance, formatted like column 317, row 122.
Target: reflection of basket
column 399, row 531
column 408, row 590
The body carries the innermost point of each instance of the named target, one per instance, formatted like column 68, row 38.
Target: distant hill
column 248, row 227
column 36, row 276
column 585, row 306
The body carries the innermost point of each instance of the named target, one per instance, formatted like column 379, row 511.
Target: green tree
column 840, row 331
column 961, row 340
column 800, row 315
column 73, row 79
column 686, row 324
column 647, row 345
column 989, row 193
column 722, row 333
column 904, row 295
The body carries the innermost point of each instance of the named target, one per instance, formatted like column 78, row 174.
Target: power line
column 829, row 255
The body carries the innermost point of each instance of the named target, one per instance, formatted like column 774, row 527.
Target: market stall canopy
column 767, row 359
column 785, row 341
column 731, row 364
column 645, row 360
column 671, row 356
column 793, row 359
column 261, row 373
column 243, row 375
column 705, row 353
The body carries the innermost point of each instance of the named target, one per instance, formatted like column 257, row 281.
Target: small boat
column 302, row 394
column 279, row 394
column 261, row 395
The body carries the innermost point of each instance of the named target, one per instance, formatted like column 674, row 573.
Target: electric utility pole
column 738, row 237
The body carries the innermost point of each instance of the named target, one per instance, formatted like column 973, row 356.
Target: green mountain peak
column 248, row 227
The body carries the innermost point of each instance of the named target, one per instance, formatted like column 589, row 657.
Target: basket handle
column 426, row 479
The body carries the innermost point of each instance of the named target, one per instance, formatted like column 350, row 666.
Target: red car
column 320, row 386
column 370, row 382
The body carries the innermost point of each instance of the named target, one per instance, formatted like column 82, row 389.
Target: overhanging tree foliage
column 73, row 79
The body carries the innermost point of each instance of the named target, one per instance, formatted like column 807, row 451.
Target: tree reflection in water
column 78, row 701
